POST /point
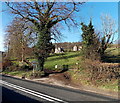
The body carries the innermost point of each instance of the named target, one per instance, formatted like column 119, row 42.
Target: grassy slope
column 79, row 76
column 57, row 59
column 113, row 55
column 69, row 58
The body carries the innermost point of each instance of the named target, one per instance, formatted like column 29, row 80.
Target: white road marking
column 37, row 94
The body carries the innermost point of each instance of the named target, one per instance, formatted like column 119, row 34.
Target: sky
column 89, row 10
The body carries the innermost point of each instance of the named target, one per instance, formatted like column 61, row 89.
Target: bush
column 6, row 64
column 91, row 52
column 36, row 74
column 25, row 67
column 102, row 72
column 12, row 68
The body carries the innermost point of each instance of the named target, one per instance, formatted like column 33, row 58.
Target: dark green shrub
column 26, row 67
column 36, row 74
column 6, row 64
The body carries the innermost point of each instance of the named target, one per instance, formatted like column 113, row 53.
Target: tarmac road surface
column 16, row 90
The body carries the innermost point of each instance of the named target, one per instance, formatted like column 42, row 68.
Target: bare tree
column 16, row 41
column 108, row 32
column 44, row 16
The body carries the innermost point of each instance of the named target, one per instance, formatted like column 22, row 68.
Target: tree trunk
column 43, row 46
column 41, row 61
column 22, row 55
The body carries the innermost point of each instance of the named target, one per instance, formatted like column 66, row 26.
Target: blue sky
column 89, row 10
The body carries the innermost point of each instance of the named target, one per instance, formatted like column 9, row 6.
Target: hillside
column 80, row 71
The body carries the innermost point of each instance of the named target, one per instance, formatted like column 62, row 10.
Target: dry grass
column 102, row 75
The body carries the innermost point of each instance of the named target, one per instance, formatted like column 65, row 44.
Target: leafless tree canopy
column 108, row 27
column 17, row 38
column 108, row 33
column 48, row 13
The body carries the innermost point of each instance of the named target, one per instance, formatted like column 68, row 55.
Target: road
column 15, row 90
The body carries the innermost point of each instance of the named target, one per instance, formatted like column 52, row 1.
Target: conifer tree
column 90, row 41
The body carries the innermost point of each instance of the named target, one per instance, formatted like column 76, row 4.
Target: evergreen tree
column 90, row 41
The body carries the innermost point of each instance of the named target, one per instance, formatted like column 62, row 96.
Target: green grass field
column 112, row 55
column 68, row 58
column 78, row 76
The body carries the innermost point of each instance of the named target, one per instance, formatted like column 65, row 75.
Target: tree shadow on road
column 10, row 96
